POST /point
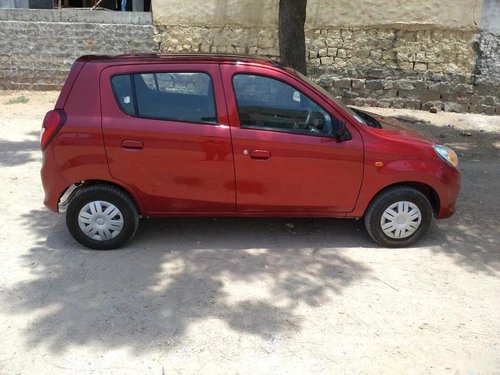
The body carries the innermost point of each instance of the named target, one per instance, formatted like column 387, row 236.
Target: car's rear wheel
column 102, row 217
column 398, row 217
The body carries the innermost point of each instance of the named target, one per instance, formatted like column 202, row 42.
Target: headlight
column 447, row 154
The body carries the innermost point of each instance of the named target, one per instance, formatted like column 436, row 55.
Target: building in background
column 130, row 5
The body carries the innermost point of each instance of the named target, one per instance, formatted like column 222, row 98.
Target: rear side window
column 175, row 96
column 122, row 87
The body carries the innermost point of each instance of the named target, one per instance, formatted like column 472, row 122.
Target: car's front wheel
column 102, row 217
column 398, row 217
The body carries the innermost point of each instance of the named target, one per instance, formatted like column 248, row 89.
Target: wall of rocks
column 414, row 68
column 431, row 53
column 453, row 65
column 37, row 47
column 260, row 40
column 408, row 66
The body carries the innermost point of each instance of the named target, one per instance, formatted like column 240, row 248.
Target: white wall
column 320, row 13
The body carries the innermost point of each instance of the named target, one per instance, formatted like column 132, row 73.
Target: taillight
column 52, row 122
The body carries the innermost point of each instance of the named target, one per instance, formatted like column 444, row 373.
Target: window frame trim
column 286, row 131
column 134, row 94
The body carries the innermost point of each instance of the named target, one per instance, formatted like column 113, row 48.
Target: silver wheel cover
column 100, row 220
column 400, row 220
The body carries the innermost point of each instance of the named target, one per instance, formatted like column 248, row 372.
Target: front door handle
column 260, row 154
column 132, row 144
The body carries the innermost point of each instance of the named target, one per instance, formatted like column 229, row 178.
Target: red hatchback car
column 220, row 135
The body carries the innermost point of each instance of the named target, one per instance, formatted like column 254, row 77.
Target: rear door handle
column 260, row 154
column 132, row 144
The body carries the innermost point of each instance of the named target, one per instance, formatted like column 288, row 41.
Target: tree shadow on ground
column 180, row 271
column 469, row 143
column 14, row 153
column 472, row 235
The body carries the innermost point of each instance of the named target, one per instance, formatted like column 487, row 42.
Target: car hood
column 397, row 128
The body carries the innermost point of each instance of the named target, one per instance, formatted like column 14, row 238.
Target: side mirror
column 340, row 131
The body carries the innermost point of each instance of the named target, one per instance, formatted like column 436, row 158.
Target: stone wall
column 432, row 53
column 447, row 62
column 409, row 48
column 363, row 55
column 405, row 67
column 218, row 39
column 37, row 47
column 413, row 68
column 487, row 51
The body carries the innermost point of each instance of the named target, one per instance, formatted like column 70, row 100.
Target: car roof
column 178, row 57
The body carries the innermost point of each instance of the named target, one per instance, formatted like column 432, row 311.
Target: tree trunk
column 291, row 20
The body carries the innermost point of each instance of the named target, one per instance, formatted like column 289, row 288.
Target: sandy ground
column 249, row 296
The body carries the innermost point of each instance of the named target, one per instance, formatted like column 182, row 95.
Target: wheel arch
column 429, row 192
column 70, row 191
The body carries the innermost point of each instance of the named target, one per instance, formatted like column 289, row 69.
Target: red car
column 220, row 135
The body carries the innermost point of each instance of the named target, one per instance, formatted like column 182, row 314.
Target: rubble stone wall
column 37, row 47
column 445, row 54
column 363, row 56
column 416, row 68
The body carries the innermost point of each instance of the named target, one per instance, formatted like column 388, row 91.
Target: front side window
column 269, row 104
column 173, row 96
column 353, row 113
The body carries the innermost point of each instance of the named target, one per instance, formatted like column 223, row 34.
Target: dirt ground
column 247, row 296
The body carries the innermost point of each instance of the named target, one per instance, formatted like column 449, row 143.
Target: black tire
column 116, row 197
column 384, row 200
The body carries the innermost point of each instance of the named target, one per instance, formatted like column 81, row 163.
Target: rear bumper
column 53, row 183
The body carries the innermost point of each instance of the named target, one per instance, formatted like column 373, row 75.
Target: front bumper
column 449, row 193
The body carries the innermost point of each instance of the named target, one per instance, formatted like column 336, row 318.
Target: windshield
column 329, row 95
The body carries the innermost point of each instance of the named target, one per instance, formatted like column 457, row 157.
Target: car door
column 286, row 160
column 164, row 133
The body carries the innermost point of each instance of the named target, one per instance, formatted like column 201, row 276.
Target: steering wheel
column 308, row 118
column 308, row 126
